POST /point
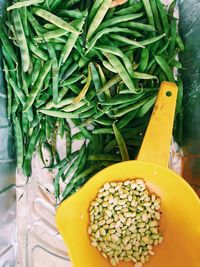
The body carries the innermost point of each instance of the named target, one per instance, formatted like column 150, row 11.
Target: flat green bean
column 30, row 151
column 149, row 12
column 22, row 42
column 121, row 144
column 24, row 4
column 78, row 24
column 165, row 67
column 54, row 19
column 121, row 71
column 19, row 141
column 101, row 12
column 38, row 85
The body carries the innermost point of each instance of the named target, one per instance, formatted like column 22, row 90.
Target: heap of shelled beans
column 124, row 222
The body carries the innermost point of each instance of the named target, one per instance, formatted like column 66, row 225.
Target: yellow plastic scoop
column 180, row 206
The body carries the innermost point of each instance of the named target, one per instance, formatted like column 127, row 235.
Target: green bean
column 138, row 6
column 172, row 43
column 72, row 80
column 144, row 76
column 121, row 71
column 121, row 144
column 47, row 81
column 126, row 119
column 108, row 66
column 86, row 113
column 171, row 8
column 164, row 48
column 78, row 136
column 9, row 90
column 103, row 80
column 118, row 99
column 78, row 24
column 57, row 180
column 24, row 4
column 115, row 20
column 43, row 99
column 65, row 115
column 71, row 3
column 57, row 40
column 6, row 43
column 156, row 16
column 138, row 25
column 51, row 34
column 132, row 107
column 162, row 76
column 47, row 157
column 54, row 4
column 54, row 19
column 19, row 141
column 125, row 40
column 15, row 105
column 165, row 67
column 55, row 72
column 36, row 70
column 146, row 107
column 62, row 102
column 135, row 131
column 57, row 114
column 107, row 157
column 101, row 12
column 83, row 92
column 52, row 27
column 104, row 121
column 163, row 16
column 180, row 97
column 86, row 133
column 76, row 13
column 103, row 32
column 77, row 178
column 180, row 43
column 61, row 94
column 112, row 49
column 74, row 88
column 76, row 162
column 103, row 131
column 70, row 71
column 37, row 51
column 10, row 64
column 21, row 40
column 149, row 12
column 49, row 126
column 73, row 106
column 38, row 85
column 94, row 9
column 152, row 40
column 176, row 64
column 24, row 18
column 24, row 124
column 30, row 151
column 109, row 84
column 96, row 116
column 18, row 92
column 144, row 60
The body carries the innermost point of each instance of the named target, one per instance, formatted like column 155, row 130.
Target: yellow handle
column 156, row 144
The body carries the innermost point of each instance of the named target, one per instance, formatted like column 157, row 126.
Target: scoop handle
column 156, row 144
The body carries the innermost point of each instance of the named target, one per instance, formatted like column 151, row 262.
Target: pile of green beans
column 90, row 66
